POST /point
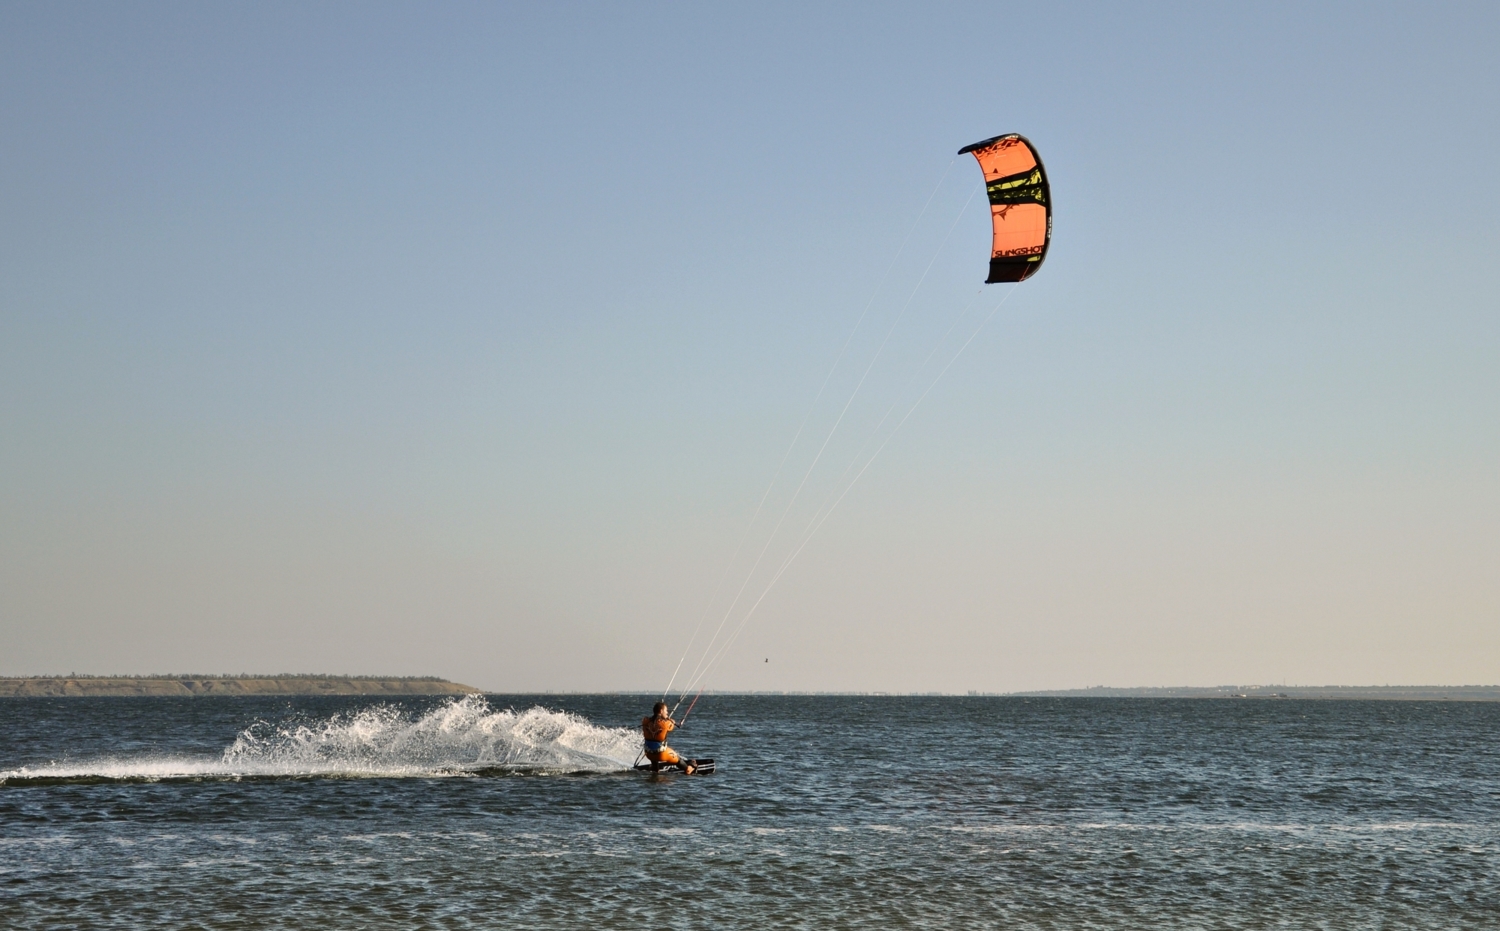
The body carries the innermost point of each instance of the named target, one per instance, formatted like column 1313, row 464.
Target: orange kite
column 1020, row 205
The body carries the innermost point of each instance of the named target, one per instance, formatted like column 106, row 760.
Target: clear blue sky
column 463, row 339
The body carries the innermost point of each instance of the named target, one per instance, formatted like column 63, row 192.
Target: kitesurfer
column 655, row 730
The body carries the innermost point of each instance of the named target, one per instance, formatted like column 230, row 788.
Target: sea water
column 826, row 812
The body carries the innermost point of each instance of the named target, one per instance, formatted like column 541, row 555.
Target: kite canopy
column 1020, row 205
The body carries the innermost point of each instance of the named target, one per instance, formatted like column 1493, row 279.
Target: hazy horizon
column 464, row 341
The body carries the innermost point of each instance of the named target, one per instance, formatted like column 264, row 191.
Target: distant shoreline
column 191, row 686
column 73, row 686
column 1333, row 692
column 1264, row 692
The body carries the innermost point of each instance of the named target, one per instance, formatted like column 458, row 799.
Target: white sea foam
column 459, row 737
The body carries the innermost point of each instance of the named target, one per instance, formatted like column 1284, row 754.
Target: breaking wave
column 462, row 737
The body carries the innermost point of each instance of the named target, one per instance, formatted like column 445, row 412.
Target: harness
column 655, row 731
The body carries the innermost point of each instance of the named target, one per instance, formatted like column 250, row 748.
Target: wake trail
column 461, row 737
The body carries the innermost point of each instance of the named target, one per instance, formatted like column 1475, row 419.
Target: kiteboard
column 702, row 768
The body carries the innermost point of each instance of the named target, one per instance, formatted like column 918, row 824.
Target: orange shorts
column 665, row 755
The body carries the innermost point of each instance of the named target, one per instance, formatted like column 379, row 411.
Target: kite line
column 821, row 516
column 775, row 476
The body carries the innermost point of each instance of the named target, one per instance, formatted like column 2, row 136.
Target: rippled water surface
column 826, row 812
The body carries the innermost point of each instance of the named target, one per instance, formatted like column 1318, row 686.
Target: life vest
column 656, row 729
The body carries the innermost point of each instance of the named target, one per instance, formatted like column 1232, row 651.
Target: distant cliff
column 131, row 686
